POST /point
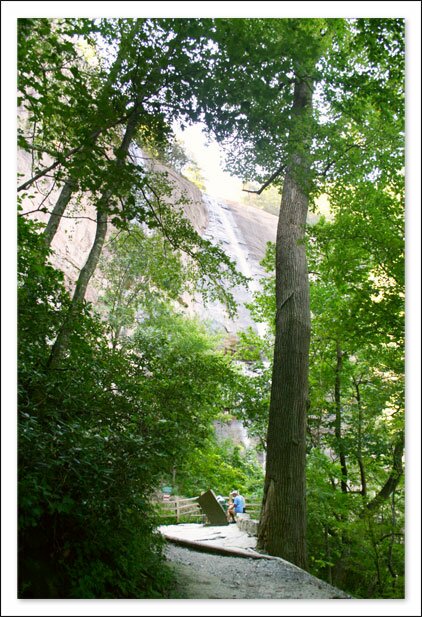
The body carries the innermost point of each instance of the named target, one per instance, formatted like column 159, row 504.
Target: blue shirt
column 239, row 504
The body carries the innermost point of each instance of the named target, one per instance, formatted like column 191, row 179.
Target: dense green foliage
column 84, row 477
column 97, row 436
column 220, row 466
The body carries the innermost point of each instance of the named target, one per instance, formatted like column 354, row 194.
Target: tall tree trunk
column 60, row 346
column 337, row 424
column 282, row 528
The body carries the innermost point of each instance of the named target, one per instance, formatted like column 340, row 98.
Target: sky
column 208, row 155
column 207, row 158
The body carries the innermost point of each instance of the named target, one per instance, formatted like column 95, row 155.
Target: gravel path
column 201, row 575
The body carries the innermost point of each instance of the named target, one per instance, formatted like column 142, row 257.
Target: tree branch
column 343, row 154
column 63, row 216
column 389, row 535
column 268, row 182
column 393, row 479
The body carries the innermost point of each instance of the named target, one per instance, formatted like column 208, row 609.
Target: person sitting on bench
column 236, row 507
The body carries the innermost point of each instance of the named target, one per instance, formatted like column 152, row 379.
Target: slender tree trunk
column 58, row 211
column 328, row 556
column 282, row 529
column 337, row 425
column 390, row 563
column 359, row 448
column 61, row 344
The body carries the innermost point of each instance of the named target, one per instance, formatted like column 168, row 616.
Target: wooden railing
column 180, row 508
column 188, row 508
column 253, row 509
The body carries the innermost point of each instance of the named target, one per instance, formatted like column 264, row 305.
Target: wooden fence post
column 177, row 510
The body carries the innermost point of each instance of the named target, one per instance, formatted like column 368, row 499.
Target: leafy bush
column 220, row 466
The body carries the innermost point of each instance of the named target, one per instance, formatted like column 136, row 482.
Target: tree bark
column 282, row 528
column 337, row 425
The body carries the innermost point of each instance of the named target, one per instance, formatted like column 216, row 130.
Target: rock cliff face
column 241, row 230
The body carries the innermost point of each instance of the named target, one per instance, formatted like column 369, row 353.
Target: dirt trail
column 200, row 574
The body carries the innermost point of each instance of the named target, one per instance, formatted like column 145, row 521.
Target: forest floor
column 234, row 570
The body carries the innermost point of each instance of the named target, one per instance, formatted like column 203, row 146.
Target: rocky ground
column 234, row 574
